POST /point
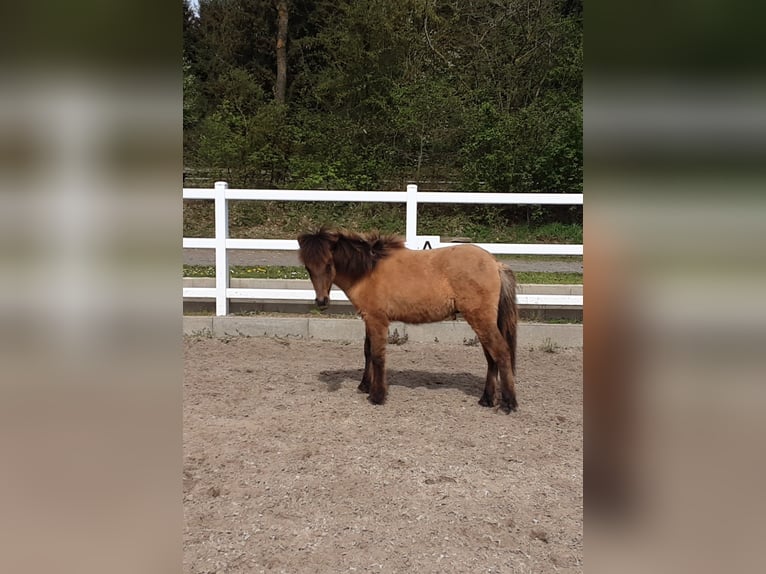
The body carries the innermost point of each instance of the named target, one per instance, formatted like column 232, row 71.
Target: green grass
column 562, row 321
column 285, row 220
column 288, row 272
column 548, row 278
column 248, row 272
column 566, row 258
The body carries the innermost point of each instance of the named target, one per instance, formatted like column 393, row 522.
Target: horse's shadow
column 468, row 383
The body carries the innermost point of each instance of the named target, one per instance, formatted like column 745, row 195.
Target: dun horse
column 387, row 282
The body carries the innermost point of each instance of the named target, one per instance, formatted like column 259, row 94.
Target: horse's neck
column 343, row 281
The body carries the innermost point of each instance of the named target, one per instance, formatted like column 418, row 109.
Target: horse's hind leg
column 495, row 344
column 364, row 386
column 488, row 398
column 498, row 348
column 508, row 401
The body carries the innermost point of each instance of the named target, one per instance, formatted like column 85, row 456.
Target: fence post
column 221, row 257
column 412, row 216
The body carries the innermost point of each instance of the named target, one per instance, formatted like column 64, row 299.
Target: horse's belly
column 421, row 310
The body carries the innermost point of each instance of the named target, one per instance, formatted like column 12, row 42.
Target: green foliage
column 285, row 220
column 536, row 149
column 474, row 95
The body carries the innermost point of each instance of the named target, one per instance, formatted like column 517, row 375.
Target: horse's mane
column 355, row 254
column 314, row 246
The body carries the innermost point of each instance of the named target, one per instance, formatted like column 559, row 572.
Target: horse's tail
column 507, row 310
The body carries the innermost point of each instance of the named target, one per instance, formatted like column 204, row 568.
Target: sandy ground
column 288, row 468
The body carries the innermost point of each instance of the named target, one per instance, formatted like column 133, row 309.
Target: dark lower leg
column 378, row 383
column 496, row 348
column 364, row 386
column 488, row 398
column 507, row 387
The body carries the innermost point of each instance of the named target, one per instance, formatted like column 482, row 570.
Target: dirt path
column 288, row 468
column 256, row 257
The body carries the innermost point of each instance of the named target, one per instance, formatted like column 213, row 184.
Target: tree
column 484, row 93
column 281, row 51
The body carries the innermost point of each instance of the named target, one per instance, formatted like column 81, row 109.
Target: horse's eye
column 328, row 268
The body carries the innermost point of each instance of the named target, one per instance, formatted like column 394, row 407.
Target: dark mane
column 314, row 246
column 355, row 254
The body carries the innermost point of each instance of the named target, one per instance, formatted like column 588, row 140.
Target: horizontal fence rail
column 221, row 195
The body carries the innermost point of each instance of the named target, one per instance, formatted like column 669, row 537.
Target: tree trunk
column 281, row 84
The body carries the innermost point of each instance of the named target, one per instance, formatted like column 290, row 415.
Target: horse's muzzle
column 322, row 303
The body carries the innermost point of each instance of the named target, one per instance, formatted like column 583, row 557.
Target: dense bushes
column 480, row 95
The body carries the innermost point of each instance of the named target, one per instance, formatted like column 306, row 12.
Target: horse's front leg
column 377, row 332
column 364, row 386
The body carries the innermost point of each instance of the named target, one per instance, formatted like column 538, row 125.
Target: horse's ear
column 327, row 232
column 332, row 238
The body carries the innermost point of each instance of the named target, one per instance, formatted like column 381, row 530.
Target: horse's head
column 316, row 253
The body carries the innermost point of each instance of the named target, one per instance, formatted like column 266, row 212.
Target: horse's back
column 472, row 273
column 455, row 261
column 465, row 257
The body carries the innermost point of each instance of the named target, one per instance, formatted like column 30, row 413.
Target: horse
column 385, row 281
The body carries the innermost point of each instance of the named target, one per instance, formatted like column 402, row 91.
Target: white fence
column 221, row 194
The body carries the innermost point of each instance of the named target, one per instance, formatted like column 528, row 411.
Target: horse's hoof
column 485, row 402
column 364, row 387
column 507, row 407
column 377, row 400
